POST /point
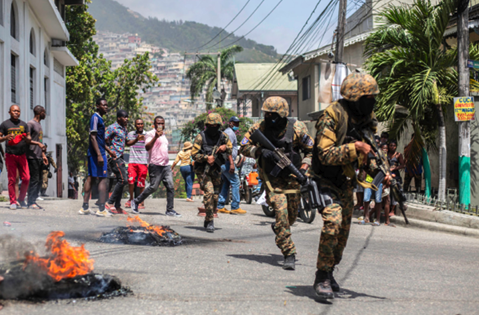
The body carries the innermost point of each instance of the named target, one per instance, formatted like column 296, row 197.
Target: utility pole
column 341, row 29
column 464, row 126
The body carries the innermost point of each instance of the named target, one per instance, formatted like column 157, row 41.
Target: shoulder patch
column 307, row 140
column 244, row 141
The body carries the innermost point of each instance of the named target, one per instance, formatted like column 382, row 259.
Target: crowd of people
column 382, row 199
column 26, row 158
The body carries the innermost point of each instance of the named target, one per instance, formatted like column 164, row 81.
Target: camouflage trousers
column 45, row 180
column 336, row 226
column 286, row 211
column 211, row 186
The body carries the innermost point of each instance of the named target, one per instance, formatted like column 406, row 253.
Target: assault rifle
column 208, row 166
column 368, row 137
column 281, row 160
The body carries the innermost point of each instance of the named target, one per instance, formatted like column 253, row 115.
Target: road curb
column 433, row 226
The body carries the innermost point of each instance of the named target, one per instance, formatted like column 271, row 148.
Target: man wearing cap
column 115, row 137
column 211, row 149
column 282, row 191
column 228, row 178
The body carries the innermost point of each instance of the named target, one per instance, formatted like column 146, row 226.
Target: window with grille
column 46, row 88
column 13, row 79
column 58, row 67
column 32, row 85
column 13, row 22
column 32, row 43
column 306, row 87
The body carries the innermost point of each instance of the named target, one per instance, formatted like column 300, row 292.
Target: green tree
column 415, row 69
column 94, row 78
column 194, row 127
column 204, row 72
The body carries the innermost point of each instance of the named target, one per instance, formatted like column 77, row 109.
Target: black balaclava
column 275, row 121
column 212, row 131
column 363, row 107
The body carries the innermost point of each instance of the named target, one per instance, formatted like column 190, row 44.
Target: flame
column 152, row 228
column 65, row 261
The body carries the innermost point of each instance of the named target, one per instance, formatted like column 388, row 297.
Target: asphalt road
column 237, row 270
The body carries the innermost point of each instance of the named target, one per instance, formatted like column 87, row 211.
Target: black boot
column 289, row 262
column 334, row 284
column 210, row 227
column 322, row 285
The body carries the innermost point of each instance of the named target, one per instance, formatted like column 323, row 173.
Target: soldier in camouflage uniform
column 283, row 191
column 207, row 168
column 335, row 152
column 46, row 172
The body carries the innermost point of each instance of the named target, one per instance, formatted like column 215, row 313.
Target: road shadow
column 264, row 223
column 200, row 228
column 344, row 294
column 261, row 215
column 271, row 259
column 152, row 213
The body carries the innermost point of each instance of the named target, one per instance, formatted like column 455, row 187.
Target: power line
column 231, row 44
column 231, row 33
column 224, row 28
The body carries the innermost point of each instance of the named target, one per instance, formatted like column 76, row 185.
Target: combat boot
column 289, row 262
column 322, row 285
column 210, row 226
column 334, row 284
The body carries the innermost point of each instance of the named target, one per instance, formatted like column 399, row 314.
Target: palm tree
column 415, row 68
column 204, row 72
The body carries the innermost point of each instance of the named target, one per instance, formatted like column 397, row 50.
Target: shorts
column 137, row 170
column 368, row 193
column 94, row 170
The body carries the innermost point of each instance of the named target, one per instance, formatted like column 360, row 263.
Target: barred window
column 13, row 81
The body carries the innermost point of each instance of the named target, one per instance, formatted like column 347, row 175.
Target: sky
column 279, row 29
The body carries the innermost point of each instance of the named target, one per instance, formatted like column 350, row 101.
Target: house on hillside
column 255, row 82
column 313, row 69
column 33, row 61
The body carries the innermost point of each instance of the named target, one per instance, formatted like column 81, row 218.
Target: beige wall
column 311, row 104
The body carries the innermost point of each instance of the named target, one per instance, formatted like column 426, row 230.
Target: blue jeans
column 229, row 179
column 189, row 177
column 377, row 195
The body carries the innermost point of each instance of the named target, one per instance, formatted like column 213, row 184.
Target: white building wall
column 54, row 125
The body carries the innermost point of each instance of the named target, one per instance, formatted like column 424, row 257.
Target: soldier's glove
column 268, row 155
column 303, row 171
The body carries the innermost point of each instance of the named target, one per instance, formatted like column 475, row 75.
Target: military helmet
column 213, row 119
column 358, row 84
column 276, row 104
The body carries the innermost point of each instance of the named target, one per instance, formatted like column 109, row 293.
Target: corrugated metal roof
column 262, row 77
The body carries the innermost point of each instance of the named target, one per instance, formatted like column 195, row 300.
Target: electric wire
column 224, row 28
column 242, row 37
column 231, row 33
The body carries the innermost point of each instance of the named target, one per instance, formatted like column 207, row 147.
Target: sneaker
column 22, row 204
column 109, row 207
column 134, row 207
column 173, row 213
column 103, row 213
column 224, row 210
column 114, row 211
column 141, row 207
column 13, row 206
column 128, row 204
column 83, row 211
column 40, row 198
column 209, row 226
column 238, row 211
column 289, row 262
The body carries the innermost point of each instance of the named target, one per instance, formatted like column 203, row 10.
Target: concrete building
column 33, row 59
column 250, row 85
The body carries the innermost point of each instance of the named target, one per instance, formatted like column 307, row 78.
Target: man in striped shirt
column 138, row 163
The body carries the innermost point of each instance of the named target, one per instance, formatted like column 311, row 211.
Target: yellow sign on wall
column 464, row 109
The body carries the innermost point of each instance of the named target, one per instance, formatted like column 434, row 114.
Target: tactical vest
column 285, row 142
column 336, row 174
column 208, row 145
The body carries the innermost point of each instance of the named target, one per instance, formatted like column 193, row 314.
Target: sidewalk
column 427, row 217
